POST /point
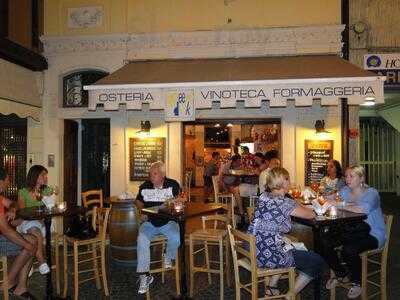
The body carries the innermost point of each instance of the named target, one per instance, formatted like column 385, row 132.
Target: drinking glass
column 314, row 186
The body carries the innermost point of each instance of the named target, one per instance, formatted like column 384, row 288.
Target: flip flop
column 26, row 295
column 333, row 281
column 271, row 291
column 12, row 289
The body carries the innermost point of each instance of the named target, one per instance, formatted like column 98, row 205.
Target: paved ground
column 122, row 280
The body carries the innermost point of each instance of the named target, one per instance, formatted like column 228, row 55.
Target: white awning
column 276, row 79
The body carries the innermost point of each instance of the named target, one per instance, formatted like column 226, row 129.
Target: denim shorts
column 8, row 248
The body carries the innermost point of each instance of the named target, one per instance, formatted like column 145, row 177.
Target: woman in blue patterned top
column 271, row 221
column 370, row 234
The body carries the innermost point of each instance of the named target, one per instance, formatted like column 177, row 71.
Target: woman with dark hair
column 30, row 196
column 333, row 181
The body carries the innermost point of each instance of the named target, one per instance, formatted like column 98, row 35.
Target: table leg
column 49, row 283
column 184, row 295
column 318, row 236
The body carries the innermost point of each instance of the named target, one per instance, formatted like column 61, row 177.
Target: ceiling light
column 369, row 101
column 217, row 125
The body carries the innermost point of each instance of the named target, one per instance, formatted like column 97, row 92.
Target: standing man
column 154, row 192
column 13, row 244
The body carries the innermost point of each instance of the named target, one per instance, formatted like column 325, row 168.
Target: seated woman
column 271, row 221
column 333, row 181
column 30, row 196
column 370, row 234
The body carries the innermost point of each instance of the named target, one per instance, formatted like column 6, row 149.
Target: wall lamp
column 320, row 127
column 368, row 101
column 145, row 127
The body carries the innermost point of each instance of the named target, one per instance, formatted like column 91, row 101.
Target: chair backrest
column 92, row 197
column 215, row 186
column 217, row 221
column 250, row 213
column 100, row 216
column 187, row 183
column 228, row 201
column 388, row 222
column 253, row 200
column 243, row 246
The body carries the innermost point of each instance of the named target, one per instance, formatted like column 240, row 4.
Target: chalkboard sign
column 142, row 153
column 317, row 155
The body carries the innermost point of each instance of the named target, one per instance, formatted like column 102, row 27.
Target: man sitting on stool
column 154, row 192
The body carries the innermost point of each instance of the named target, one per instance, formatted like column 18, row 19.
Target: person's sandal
column 271, row 291
column 333, row 281
column 26, row 295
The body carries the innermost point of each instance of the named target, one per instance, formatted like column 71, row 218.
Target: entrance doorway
column 13, row 132
column 95, row 164
column 71, row 162
column 227, row 137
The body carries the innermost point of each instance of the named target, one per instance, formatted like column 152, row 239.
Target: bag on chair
column 80, row 228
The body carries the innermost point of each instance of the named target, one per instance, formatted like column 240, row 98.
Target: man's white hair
column 158, row 165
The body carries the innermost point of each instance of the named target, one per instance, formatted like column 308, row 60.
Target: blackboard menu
column 317, row 155
column 142, row 153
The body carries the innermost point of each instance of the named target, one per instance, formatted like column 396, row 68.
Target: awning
column 203, row 81
column 22, row 110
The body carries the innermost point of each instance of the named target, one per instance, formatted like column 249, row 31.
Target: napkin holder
column 49, row 201
column 318, row 208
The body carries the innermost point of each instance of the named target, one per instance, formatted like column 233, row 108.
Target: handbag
column 80, row 228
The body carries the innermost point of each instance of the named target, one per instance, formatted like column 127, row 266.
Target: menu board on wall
column 142, row 153
column 317, row 155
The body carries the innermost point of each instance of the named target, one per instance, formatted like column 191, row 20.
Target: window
column 73, row 93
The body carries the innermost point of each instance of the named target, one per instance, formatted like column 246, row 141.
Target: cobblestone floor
column 123, row 280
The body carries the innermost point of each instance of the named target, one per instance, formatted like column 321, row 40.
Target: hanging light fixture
column 320, row 127
column 145, row 127
column 369, row 101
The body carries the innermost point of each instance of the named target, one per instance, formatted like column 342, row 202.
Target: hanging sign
column 179, row 105
column 385, row 65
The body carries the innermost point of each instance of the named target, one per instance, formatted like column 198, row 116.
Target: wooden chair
column 216, row 235
column 85, row 255
column 215, row 186
column 228, row 202
column 377, row 257
column 187, row 183
column 4, row 277
column 161, row 241
column 92, row 197
column 243, row 248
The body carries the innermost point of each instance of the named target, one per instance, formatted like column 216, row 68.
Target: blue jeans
column 309, row 263
column 146, row 233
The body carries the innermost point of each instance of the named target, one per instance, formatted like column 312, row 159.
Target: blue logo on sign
column 374, row 61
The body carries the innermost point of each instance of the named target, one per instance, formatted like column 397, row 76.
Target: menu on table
column 317, row 155
column 142, row 153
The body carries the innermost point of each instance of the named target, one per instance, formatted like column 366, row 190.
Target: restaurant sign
column 202, row 97
column 387, row 64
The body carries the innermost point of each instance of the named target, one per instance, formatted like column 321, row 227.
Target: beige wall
column 139, row 16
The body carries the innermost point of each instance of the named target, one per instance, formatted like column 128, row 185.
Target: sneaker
column 167, row 263
column 44, row 269
column 144, row 283
column 354, row 291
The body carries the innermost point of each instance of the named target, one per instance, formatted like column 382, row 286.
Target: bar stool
column 4, row 278
column 161, row 241
column 208, row 237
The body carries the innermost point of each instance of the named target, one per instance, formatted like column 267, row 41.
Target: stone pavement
column 123, row 280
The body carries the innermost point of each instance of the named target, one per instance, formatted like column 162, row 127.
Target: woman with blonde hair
column 371, row 234
column 271, row 221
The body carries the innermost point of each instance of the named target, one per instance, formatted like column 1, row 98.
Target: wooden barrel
column 123, row 232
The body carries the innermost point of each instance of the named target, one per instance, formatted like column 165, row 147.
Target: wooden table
column 192, row 209
column 321, row 226
column 42, row 213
